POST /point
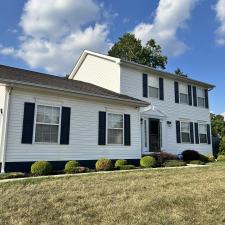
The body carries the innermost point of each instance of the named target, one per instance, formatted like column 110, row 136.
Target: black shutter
column 189, row 95
column 28, row 123
column 102, row 128
column 196, row 134
column 195, row 96
column 206, row 99
column 65, row 126
column 208, row 134
column 127, row 139
column 145, row 85
column 178, row 131
column 161, row 89
column 192, row 132
column 176, row 91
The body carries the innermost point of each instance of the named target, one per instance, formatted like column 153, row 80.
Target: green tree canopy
column 178, row 71
column 218, row 125
column 129, row 48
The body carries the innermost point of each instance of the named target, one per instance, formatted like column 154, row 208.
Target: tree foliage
column 179, row 72
column 218, row 125
column 130, row 49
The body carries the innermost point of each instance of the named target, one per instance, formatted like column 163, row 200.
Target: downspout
column 5, row 127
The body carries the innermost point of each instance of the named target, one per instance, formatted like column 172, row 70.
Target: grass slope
column 174, row 196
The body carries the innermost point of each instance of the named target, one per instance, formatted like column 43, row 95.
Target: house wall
column 101, row 72
column 131, row 84
column 2, row 102
column 83, row 130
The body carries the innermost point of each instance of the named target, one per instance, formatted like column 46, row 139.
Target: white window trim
column 35, row 122
column 189, row 132
column 200, row 97
column 206, row 143
column 149, row 86
column 117, row 113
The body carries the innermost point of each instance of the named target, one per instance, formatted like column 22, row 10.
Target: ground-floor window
column 203, row 133
column 115, row 128
column 185, row 132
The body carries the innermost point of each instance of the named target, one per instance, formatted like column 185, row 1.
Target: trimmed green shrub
column 211, row 158
column 80, row 169
column 103, row 164
column 174, row 163
column 222, row 146
column 189, row 155
column 148, row 161
column 197, row 162
column 71, row 166
column 204, row 158
column 127, row 167
column 120, row 162
column 221, row 158
column 41, row 168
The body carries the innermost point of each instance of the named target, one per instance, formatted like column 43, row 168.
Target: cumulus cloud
column 54, row 33
column 171, row 16
column 220, row 15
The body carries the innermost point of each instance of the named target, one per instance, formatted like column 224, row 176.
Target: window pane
column 200, row 93
column 185, row 127
column 202, row 128
column 145, row 133
column 48, row 114
column 115, row 136
column 46, row 133
column 185, row 137
column 115, row 120
column 153, row 92
column 201, row 102
column 183, row 98
column 40, row 113
column 55, row 115
column 203, row 138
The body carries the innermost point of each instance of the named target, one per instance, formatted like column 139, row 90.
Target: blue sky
column 49, row 35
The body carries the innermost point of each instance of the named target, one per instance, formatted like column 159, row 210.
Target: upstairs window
column 183, row 94
column 47, row 124
column 203, row 133
column 201, row 97
column 115, row 128
column 153, row 87
column 185, row 132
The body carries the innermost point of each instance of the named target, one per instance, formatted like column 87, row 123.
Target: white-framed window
column 153, row 87
column 203, row 133
column 115, row 128
column 47, row 124
column 201, row 97
column 183, row 94
column 185, row 132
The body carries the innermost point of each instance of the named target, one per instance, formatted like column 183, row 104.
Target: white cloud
column 220, row 15
column 55, row 32
column 171, row 16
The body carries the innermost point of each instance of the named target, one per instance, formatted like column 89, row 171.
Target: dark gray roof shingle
column 16, row 75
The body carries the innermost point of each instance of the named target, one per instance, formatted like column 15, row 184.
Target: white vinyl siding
column 185, row 132
column 83, row 140
column 203, row 134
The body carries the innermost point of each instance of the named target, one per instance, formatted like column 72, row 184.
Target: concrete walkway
column 101, row 172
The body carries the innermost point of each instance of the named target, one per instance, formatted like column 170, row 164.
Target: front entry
column 154, row 135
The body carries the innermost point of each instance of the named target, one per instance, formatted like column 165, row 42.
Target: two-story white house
column 178, row 117
column 106, row 107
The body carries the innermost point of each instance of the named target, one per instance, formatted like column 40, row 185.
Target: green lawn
column 167, row 196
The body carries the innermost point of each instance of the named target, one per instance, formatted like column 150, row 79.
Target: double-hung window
column 47, row 124
column 153, row 87
column 203, row 133
column 185, row 132
column 115, row 128
column 201, row 97
column 183, row 94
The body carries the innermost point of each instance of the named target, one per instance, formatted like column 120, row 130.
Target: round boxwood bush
column 174, row 163
column 103, row 164
column 221, row 158
column 71, row 166
column 189, row 155
column 41, row 168
column 147, row 162
column 120, row 162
